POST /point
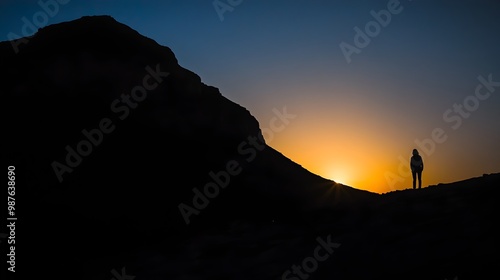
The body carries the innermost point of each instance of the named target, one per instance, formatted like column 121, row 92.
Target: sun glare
column 339, row 175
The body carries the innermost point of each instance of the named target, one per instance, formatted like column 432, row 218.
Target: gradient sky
column 355, row 122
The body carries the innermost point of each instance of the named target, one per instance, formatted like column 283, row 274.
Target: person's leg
column 420, row 179
column 413, row 175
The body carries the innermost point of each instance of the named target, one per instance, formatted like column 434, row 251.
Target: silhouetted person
column 417, row 166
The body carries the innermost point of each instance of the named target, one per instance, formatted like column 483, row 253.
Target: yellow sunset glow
column 338, row 174
column 352, row 140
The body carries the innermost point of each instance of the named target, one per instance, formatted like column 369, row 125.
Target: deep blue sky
column 354, row 120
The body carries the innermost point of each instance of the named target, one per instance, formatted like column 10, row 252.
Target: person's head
column 415, row 152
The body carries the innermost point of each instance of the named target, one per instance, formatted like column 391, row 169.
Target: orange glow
column 350, row 159
column 338, row 174
column 354, row 141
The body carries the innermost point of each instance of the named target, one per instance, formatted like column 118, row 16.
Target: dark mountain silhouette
column 66, row 78
column 133, row 162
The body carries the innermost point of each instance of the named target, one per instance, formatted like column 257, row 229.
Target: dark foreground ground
column 439, row 232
